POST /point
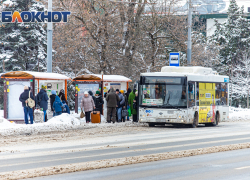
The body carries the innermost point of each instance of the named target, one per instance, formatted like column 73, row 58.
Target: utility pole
column 49, row 40
column 189, row 46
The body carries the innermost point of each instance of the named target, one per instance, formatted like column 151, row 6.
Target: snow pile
column 59, row 123
column 64, row 119
column 238, row 114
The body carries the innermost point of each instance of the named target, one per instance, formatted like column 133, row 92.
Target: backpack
column 31, row 102
column 64, row 107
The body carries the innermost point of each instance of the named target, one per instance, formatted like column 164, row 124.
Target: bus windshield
column 163, row 92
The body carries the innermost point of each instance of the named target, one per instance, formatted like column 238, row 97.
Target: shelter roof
column 98, row 77
column 36, row 75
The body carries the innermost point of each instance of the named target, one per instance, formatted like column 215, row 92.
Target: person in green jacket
column 131, row 99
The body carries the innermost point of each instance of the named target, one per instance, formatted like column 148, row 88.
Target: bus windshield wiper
column 169, row 105
column 166, row 105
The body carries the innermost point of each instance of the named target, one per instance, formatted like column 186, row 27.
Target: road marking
column 131, row 144
column 246, row 167
column 121, row 152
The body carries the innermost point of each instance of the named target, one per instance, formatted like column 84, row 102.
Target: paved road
column 159, row 140
column 230, row 165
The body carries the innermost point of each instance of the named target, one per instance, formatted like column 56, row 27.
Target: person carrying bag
column 82, row 115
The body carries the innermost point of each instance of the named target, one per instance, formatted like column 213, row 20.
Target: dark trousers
column 87, row 116
column 28, row 112
column 111, row 111
column 135, row 118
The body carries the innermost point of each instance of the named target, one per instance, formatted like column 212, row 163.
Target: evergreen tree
column 232, row 40
column 22, row 45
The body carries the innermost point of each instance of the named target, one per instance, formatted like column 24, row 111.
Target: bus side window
column 191, row 90
column 218, row 94
column 224, row 95
column 197, row 94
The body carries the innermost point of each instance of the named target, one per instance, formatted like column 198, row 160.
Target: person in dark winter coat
column 125, row 104
column 94, row 98
column 57, row 106
column 112, row 98
column 126, row 99
column 120, row 104
column 136, row 104
column 65, row 108
column 99, row 102
column 62, row 96
column 28, row 112
column 42, row 101
column 52, row 100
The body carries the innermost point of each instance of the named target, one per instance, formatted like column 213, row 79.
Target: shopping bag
column 129, row 112
column 82, row 115
column 125, row 113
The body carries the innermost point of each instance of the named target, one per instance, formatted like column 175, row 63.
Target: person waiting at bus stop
column 120, row 104
column 88, row 105
column 42, row 100
column 28, row 112
column 57, row 106
column 132, row 103
column 112, row 98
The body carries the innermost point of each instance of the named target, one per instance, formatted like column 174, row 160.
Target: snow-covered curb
column 60, row 123
column 46, row 171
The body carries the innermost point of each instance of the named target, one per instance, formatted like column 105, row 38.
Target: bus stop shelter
column 97, row 82
column 14, row 83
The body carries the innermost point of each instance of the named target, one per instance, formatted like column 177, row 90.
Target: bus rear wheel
column 151, row 124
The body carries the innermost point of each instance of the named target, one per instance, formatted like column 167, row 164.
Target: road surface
column 230, row 165
column 119, row 145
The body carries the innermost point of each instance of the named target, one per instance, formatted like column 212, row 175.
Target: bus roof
column 195, row 73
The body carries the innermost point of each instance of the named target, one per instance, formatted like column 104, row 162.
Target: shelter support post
column 5, row 99
column 66, row 94
column 76, row 99
column 127, row 86
column 37, row 86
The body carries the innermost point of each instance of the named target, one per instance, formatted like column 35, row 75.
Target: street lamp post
column 49, row 40
column 189, row 45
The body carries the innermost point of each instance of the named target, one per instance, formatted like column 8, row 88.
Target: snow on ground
column 66, row 122
column 238, row 114
column 60, row 123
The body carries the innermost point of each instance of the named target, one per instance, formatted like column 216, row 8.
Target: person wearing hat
column 28, row 112
column 62, row 96
column 42, row 100
column 99, row 101
column 126, row 100
column 52, row 100
column 120, row 104
column 88, row 105
column 131, row 99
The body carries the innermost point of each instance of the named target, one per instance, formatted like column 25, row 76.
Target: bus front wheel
column 195, row 121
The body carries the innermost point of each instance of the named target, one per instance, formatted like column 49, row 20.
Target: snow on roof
column 98, row 77
column 183, row 69
column 36, row 75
